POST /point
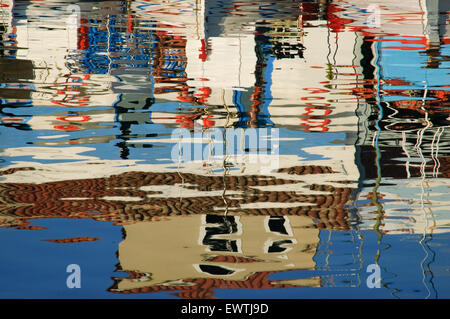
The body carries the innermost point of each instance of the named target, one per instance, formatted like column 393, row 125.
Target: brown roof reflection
column 90, row 198
column 203, row 288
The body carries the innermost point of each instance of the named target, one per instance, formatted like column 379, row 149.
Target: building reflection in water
column 359, row 94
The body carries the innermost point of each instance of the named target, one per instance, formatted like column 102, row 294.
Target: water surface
column 349, row 101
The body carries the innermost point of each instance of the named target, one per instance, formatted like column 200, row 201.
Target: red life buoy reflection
column 66, row 127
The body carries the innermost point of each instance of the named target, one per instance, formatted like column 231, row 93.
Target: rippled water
column 349, row 101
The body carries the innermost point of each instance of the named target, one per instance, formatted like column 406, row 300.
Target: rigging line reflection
column 437, row 137
column 437, row 150
column 433, row 155
column 225, row 167
column 360, row 140
column 356, row 217
column 408, row 173
column 424, row 235
column 329, row 251
column 375, row 199
column 423, row 241
column 180, row 156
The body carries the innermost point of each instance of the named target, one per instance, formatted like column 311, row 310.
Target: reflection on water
column 358, row 93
